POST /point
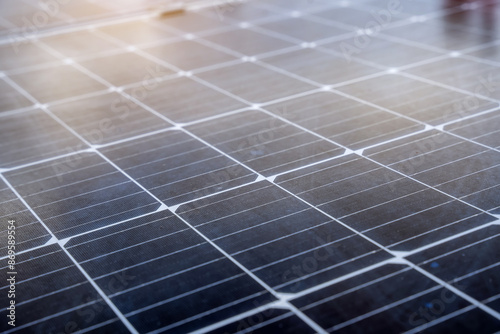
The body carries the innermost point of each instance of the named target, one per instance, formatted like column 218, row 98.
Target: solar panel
column 263, row 166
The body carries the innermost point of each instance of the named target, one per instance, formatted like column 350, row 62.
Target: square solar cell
column 310, row 30
column 319, row 66
column 264, row 143
column 183, row 99
column 56, row 83
column 11, row 98
column 106, row 118
column 455, row 166
column 344, row 121
column 177, row 168
column 475, row 77
column 481, row 129
column 421, row 101
column 442, row 34
column 248, row 42
column 260, row 84
column 33, row 135
column 139, row 69
column 71, row 44
column 490, row 52
column 189, row 55
column 30, row 233
column 23, row 55
column 79, row 193
column 374, row 49
column 363, row 17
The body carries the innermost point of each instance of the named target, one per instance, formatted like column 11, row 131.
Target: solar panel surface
column 269, row 166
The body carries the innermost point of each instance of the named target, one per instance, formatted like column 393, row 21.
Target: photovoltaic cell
column 187, row 55
column 23, row 55
column 44, row 84
column 261, row 84
column 354, row 17
column 30, row 232
column 475, row 77
column 183, row 99
column 139, row 68
column 71, row 44
column 177, row 168
column 343, row 120
column 480, row 129
column 40, row 137
column 11, row 99
column 265, row 144
column 441, row 34
column 324, row 69
column 93, row 119
column 465, row 170
column 488, row 53
column 248, row 42
column 376, row 51
column 310, row 30
column 79, row 194
column 416, row 99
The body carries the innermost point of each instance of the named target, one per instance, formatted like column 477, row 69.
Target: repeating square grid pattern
column 262, row 166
